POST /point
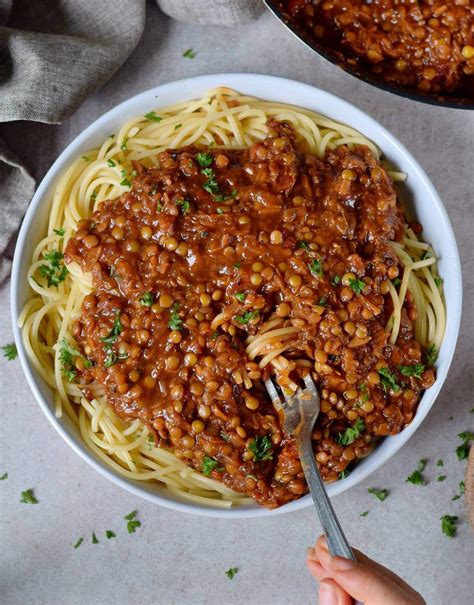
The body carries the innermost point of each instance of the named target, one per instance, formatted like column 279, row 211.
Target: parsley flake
column 262, row 448
column 357, row 285
column 387, row 380
column 448, row 525
column 94, row 539
column 204, row 159
column 246, row 317
column 28, row 497
column 109, row 534
column 54, row 270
column 132, row 523
column 111, row 163
column 79, row 542
column 209, row 464
column 303, row 246
column 431, row 355
column 241, row 296
column 4, row 476
column 316, row 267
column 67, row 355
column 184, row 206
column 365, row 513
column 336, row 280
column 10, row 351
column 189, row 54
column 59, row 232
column 441, row 478
column 381, row 494
column 462, row 451
column 351, row 433
column 124, row 144
column 415, row 370
column 146, row 299
column 175, row 322
column 151, row 115
column 230, row 573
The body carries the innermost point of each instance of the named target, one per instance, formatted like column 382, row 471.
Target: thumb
column 369, row 585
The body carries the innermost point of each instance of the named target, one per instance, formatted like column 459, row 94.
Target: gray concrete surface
column 177, row 558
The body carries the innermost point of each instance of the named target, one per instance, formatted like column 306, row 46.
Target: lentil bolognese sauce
column 423, row 44
column 166, row 291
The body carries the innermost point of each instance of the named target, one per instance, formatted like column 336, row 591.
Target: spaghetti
column 232, row 132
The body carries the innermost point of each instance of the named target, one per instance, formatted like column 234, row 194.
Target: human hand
column 341, row 580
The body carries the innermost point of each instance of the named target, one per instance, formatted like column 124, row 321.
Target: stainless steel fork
column 300, row 412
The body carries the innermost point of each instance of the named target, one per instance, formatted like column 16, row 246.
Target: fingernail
column 324, row 543
column 327, row 594
column 310, row 551
column 342, row 564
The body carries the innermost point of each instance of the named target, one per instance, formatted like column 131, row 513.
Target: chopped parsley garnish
column 364, row 514
column 414, row 370
column 94, row 195
column 462, row 451
column 237, row 266
column 124, row 145
column 246, row 317
column 204, row 159
column 111, row 359
column 431, row 355
column 462, row 489
column 351, row 433
column 109, row 534
column 146, row 299
column 381, row 494
column 113, row 335
column 59, row 232
column 438, row 281
column 125, row 181
column 54, row 271
column 10, row 351
column 316, row 267
column 132, row 523
column 230, row 573
column 357, row 285
column 177, row 126
column 396, row 282
column 94, row 539
column 223, row 198
column 175, row 322
column 4, row 476
column 211, row 185
column 85, row 158
column 448, row 525
column 184, row 206
column 189, row 54
column 439, row 462
column 336, row 280
column 323, row 302
column 110, row 163
column 79, row 542
column 387, row 380
column 262, row 448
column 66, row 359
column 240, row 296
column 209, row 464
column 343, row 474
column 151, row 115
column 28, row 497
column 303, row 245
column 416, row 477
column 225, row 436
column 441, row 478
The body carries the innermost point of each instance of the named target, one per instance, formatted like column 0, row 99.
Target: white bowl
column 429, row 211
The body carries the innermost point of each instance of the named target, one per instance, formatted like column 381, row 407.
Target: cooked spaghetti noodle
column 139, row 447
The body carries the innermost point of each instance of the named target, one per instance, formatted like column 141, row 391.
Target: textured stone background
column 177, row 558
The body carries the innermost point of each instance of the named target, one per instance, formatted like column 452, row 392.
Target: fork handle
column 337, row 542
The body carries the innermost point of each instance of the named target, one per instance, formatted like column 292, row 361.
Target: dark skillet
column 456, row 102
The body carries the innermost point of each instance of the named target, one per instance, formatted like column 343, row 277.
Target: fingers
column 332, row 594
column 364, row 580
column 369, row 585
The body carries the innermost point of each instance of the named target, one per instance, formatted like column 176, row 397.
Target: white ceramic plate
column 428, row 208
